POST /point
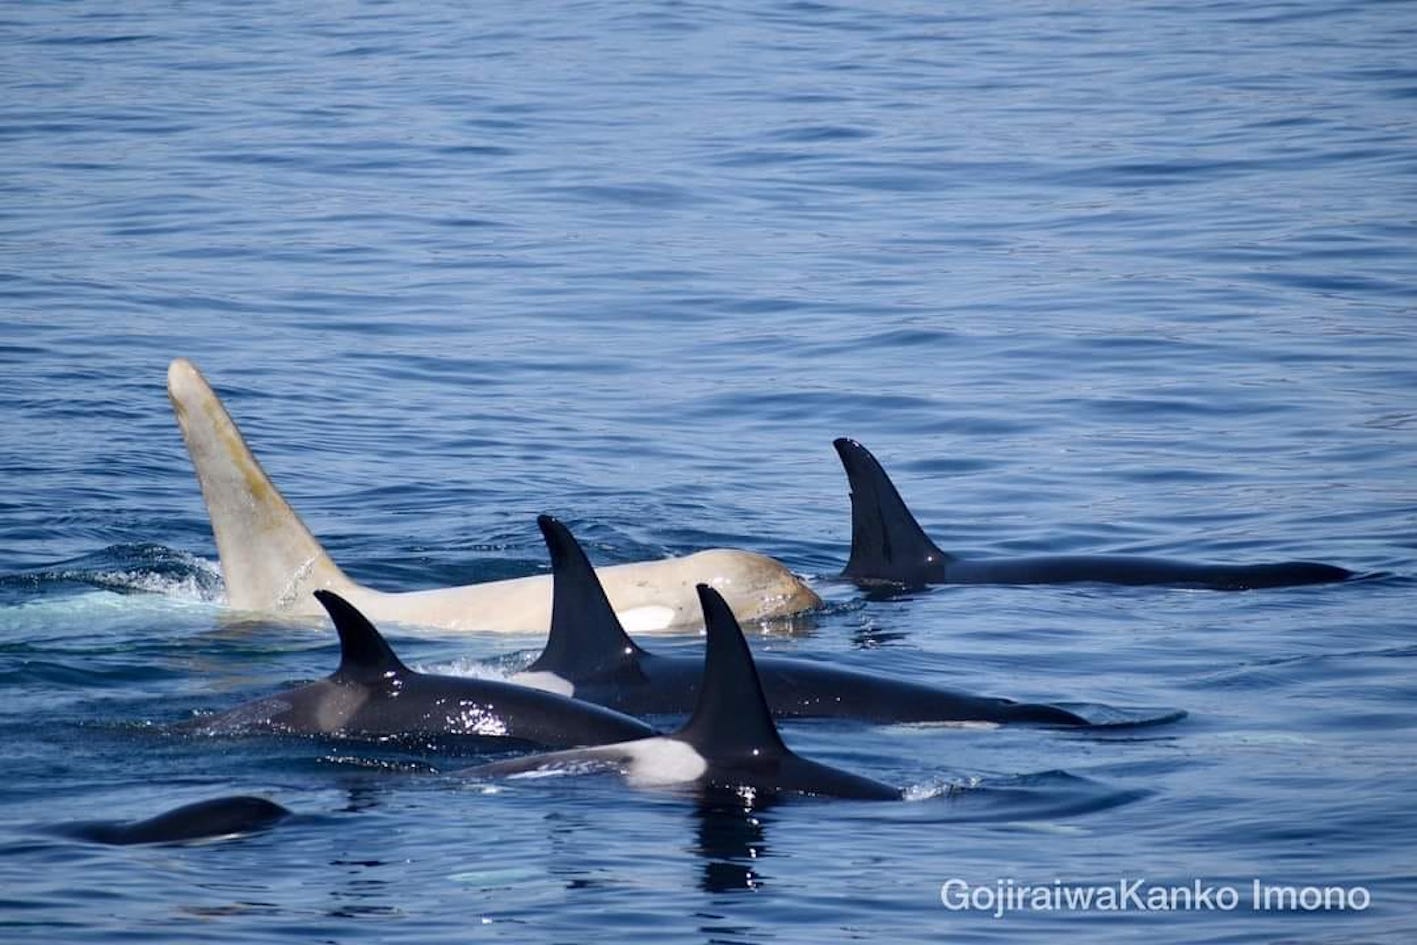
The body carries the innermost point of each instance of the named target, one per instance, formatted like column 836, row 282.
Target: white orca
column 373, row 694
column 888, row 546
column 729, row 743
column 271, row 562
column 589, row 656
column 204, row 820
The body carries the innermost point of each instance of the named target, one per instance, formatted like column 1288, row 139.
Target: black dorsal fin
column 364, row 653
column 887, row 543
column 731, row 720
column 586, row 640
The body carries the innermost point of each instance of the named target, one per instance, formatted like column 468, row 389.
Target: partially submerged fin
column 365, row 656
column 731, row 721
column 269, row 559
column 887, row 543
column 586, row 640
column 204, row 820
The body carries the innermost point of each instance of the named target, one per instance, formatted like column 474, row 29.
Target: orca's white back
column 271, row 563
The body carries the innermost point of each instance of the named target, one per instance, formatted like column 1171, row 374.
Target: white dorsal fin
column 269, row 559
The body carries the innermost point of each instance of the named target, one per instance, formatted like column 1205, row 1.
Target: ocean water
column 1113, row 278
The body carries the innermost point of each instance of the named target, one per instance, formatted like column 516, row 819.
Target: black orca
column 589, row 656
column 889, row 546
column 204, row 820
column 373, row 693
column 729, row 743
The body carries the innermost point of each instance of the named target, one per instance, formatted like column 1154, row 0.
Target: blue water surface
column 1130, row 278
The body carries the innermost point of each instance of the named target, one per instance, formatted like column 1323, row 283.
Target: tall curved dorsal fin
column 269, row 559
column 586, row 639
column 731, row 720
column 365, row 656
column 887, row 543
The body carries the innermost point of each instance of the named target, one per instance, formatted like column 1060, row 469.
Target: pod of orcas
column 271, row 562
column 586, row 688
column 730, row 742
column 581, row 696
column 589, row 656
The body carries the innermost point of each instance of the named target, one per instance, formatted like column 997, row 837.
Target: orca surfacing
column 588, row 655
column 271, row 562
column 730, row 743
column 888, row 546
column 373, row 694
column 213, row 819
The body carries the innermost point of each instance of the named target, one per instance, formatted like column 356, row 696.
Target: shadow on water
column 731, row 840
column 731, row 830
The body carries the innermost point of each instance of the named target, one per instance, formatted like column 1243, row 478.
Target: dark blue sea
column 1122, row 278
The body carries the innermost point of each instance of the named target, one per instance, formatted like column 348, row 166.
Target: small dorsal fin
column 887, row 543
column 586, row 640
column 364, row 653
column 731, row 720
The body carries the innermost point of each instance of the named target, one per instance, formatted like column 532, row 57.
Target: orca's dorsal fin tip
column 731, row 719
column 585, row 638
column 887, row 543
column 364, row 653
column 558, row 537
